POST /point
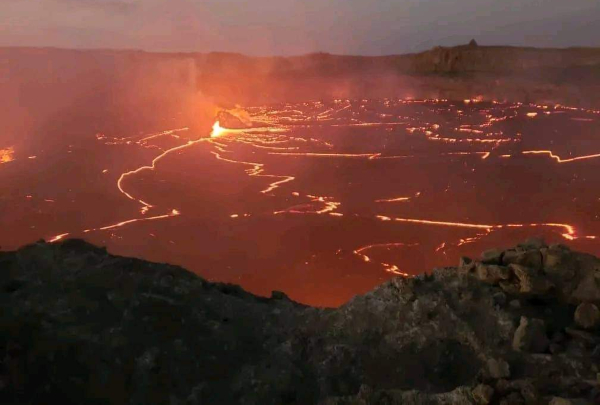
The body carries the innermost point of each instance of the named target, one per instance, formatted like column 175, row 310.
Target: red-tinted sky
column 267, row 27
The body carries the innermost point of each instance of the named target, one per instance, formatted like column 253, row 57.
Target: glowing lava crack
column 486, row 138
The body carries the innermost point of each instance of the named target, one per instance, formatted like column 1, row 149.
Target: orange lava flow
column 270, row 134
column 569, row 231
column 173, row 213
column 440, row 223
column 145, row 205
column 334, row 155
column 558, row 158
column 390, row 268
column 257, row 170
column 7, row 155
column 58, row 237
column 464, row 241
column 397, row 199
column 383, row 245
column 329, row 207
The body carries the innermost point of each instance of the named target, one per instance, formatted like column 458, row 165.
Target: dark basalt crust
column 81, row 326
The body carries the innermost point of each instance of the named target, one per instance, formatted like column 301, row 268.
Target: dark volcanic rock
column 528, row 258
column 80, row 326
column 231, row 121
column 530, row 336
column 491, row 273
column 498, row 369
column 492, row 256
column 531, row 281
column 482, row 394
column 587, row 316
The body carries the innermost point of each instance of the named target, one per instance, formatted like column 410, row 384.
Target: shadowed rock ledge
column 81, row 326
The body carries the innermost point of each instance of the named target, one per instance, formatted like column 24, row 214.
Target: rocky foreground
column 80, row 326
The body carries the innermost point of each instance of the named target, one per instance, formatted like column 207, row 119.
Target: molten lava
column 7, row 155
column 355, row 166
column 558, row 158
column 217, row 130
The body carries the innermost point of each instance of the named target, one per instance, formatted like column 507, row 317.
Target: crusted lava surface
column 79, row 325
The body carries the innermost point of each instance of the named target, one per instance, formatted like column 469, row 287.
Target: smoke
column 55, row 94
column 49, row 93
column 496, row 73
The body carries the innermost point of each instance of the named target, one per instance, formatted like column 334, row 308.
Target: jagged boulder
column 466, row 265
column 234, row 119
column 558, row 262
column 588, row 289
column 527, row 258
column 482, row 394
column 582, row 339
column 492, row 256
column 491, row 273
column 531, row 336
column 497, row 369
column 587, row 315
column 531, row 281
column 568, row 401
column 514, row 398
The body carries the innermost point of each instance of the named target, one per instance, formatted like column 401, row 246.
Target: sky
column 288, row 27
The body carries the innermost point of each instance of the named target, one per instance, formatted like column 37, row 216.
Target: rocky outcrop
column 79, row 325
column 531, row 336
column 587, row 315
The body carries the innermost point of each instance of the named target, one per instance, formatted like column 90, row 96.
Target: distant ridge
column 546, row 75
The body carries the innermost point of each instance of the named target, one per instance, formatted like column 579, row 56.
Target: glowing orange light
column 331, row 155
column 146, row 206
column 440, row 223
column 273, row 136
column 558, row 158
column 569, row 231
column 173, row 213
column 257, row 170
column 390, row 268
column 58, row 237
column 217, row 130
column 6, row 155
column 397, row 199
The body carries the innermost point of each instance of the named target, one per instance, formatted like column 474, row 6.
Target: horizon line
column 314, row 53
